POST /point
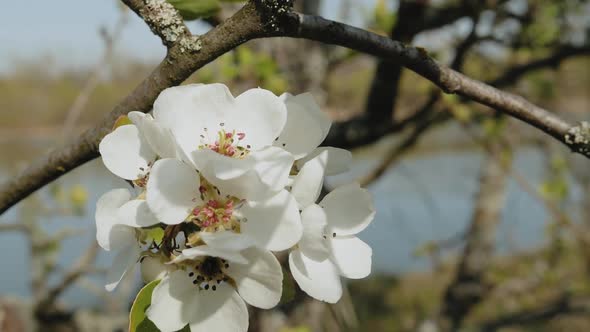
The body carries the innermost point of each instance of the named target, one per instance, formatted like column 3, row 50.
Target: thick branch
column 190, row 54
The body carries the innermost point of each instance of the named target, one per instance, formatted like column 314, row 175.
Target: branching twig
column 82, row 266
column 188, row 53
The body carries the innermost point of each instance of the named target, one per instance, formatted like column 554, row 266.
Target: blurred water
column 421, row 199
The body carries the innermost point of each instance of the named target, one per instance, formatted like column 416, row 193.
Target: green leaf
column 138, row 322
column 155, row 234
column 288, row 293
column 195, row 9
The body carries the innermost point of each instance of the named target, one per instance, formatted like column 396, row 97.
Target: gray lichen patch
column 164, row 20
column 190, row 44
column 579, row 137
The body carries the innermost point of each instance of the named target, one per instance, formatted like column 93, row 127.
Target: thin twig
column 187, row 53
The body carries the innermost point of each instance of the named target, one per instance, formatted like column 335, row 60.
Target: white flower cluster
column 219, row 183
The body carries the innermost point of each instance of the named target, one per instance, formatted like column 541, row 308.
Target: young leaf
column 138, row 322
column 194, row 9
column 288, row 293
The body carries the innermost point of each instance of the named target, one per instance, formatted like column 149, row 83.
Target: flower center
column 144, row 176
column 218, row 212
column 208, row 272
column 228, row 144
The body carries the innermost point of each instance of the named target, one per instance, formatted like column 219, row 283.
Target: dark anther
column 195, row 282
column 206, row 286
column 214, row 287
column 191, row 274
column 333, row 234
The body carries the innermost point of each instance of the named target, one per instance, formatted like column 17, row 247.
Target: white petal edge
column 260, row 115
column 160, row 139
column 314, row 243
column 299, row 118
column 226, row 240
column 187, row 110
column 349, row 209
column 336, row 161
column 307, row 185
column 166, row 310
column 123, row 265
column 273, row 224
column 351, row 256
column 136, row 213
column 106, row 217
column 319, row 280
column 258, row 176
column 152, row 268
column 172, row 190
column 221, row 311
column 205, row 250
column 260, row 281
column 126, row 153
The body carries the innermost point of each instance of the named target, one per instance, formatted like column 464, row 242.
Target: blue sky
column 67, row 31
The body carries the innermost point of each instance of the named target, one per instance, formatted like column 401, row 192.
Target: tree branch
column 255, row 20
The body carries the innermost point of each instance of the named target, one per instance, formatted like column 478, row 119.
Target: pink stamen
column 241, row 136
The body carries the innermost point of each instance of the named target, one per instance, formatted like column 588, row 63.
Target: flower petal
column 222, row 310
column 126, row 153
column 172, row 190
column 110, row 233
column 205, row 250
column 226, row 240
column 160, row 139
column 273, row 224
column 308, row 102
column 187, row 110
column 123, row 264
column 260, row 281
column 307, row 185
column 260, row 115
column 335, row 162
column 136, row 213
column 351, row 256
column 300, row 118
column 319, row 280
column 313, row 243
column 259, row 175
column 152, row 268
column 166, row 308
column 349, row 209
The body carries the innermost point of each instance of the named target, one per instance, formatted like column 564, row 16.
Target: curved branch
column 255, row 20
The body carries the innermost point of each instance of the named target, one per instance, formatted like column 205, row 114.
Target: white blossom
column 210, row 290
column 306, row 128
column 329, row 248
column 176, row 193
column 229, row 140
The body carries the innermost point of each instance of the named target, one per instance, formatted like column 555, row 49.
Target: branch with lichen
column 266, row 18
